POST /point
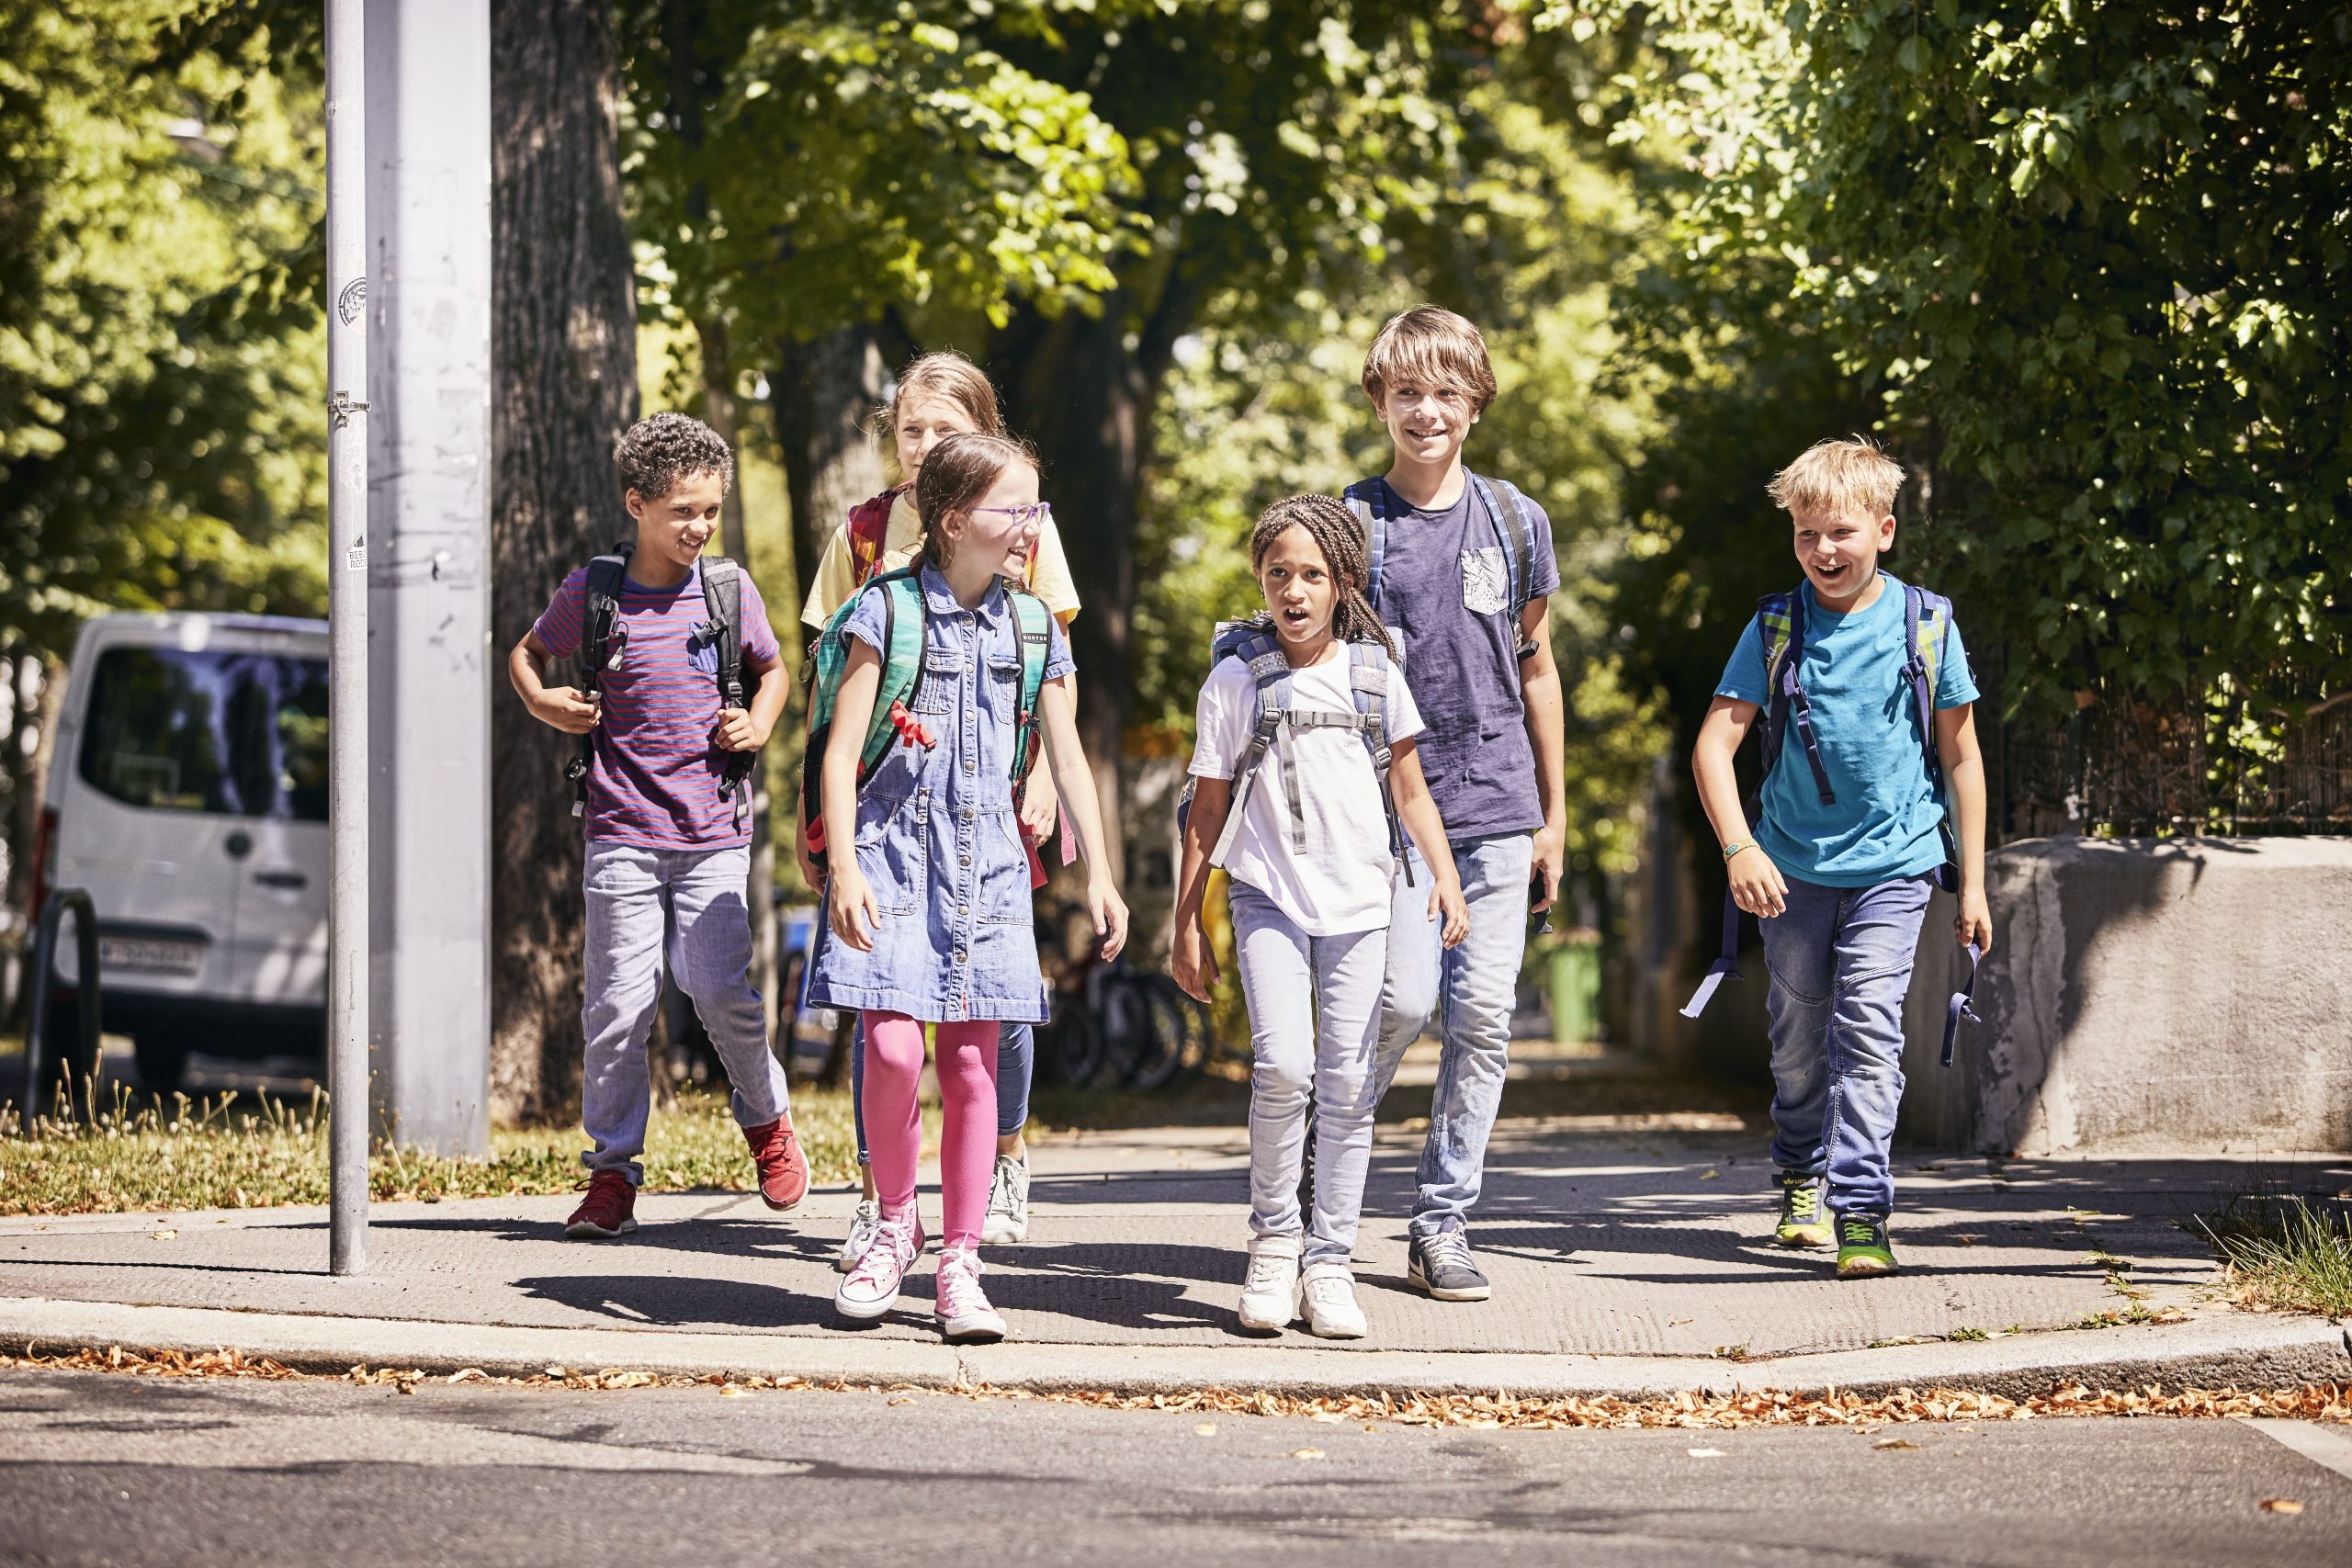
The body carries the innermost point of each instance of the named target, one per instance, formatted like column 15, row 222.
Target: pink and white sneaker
column 871, row 1289
column 961, row 1306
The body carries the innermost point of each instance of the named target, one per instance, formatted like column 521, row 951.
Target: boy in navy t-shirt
column 1850, row 837
column 1462, row 569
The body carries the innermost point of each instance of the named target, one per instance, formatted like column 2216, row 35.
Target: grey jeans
column 1471, row 989
column 695, row 898
column 1314, row 1019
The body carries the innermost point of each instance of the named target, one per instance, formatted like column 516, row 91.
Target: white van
column 188, row 793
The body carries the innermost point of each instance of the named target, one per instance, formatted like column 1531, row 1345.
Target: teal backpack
column 902, row 670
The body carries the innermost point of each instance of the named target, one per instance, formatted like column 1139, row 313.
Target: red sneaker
column 606, row 1212
column 784, row 1174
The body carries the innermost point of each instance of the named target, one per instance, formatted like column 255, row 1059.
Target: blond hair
column 957, row 476
column 1429, row 346
column 947, row 375
column 1840, row 477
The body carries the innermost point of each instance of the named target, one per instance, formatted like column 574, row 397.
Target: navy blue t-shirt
column 1446, row 586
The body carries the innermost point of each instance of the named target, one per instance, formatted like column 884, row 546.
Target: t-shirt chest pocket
column 702, row 652
column 1486, row 581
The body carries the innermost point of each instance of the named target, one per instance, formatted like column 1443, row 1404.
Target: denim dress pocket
column 943, row 674
column 1004, row 893
column 893, row 848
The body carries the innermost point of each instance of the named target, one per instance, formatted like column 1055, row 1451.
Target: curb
column 2204, row 1353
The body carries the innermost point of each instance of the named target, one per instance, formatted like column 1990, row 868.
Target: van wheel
column 162, row 1064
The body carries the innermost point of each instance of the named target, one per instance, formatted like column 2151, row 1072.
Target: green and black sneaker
column 1804, row 1221
column 1863, row 1246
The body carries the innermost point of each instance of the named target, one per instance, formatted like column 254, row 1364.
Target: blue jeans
column 692, row 902
column 1471, row 990
column 1840, row 961
column 1314, row 1023
column 1016, row 1049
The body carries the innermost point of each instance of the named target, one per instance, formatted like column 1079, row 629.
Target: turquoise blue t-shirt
column 1884, row 824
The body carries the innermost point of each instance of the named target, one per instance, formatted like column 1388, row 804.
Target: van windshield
column 241, row 734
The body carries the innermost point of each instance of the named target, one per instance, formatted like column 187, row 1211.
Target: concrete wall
column 2192, row 995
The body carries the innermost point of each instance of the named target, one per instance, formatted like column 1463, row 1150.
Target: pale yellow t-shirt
column 1048, row 568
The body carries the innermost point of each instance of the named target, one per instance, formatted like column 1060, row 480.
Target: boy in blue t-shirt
column 1851, row 839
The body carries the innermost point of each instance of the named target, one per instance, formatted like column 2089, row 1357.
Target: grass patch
column 235, row 1152
column 2283, row 1253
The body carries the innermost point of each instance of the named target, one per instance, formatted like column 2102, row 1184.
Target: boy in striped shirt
column 668, row 855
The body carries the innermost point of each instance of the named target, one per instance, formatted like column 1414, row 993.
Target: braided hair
column 1340, row 536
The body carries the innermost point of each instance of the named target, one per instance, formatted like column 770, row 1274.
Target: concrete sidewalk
column 1624, row 1257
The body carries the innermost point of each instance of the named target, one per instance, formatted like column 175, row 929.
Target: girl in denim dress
column 929, row 917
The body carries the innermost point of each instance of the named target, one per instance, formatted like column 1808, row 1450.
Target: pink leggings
column 967, row 1135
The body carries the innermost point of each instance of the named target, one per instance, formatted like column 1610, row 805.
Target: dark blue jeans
column 1841, row 959
column 1015, row 1051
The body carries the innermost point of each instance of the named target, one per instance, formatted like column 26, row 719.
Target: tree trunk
column 734, row 539
column 1073, row 387
column 820, row 395
column 564, row 351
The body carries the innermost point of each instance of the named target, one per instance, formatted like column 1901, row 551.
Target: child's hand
column 847, row 898
column 1757, row 884
column 567, row 708
column 1041, row 809
column 1976, row 922
column 1194, row 962
column 1110, row 912
column 739, row 732
column 1446, row 898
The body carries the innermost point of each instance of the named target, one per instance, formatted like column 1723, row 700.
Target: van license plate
column 149, row 956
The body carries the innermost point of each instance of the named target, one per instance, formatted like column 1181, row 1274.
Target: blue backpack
column 1780, row 617
column 1253, row 642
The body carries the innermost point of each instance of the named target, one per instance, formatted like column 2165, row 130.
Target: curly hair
column 1336, row 532
column 957, row 476
column 657, row 452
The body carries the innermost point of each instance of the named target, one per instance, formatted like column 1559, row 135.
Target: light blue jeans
column 1314, row 1023
column 695, row 898
column 1471, row 990
column 1840, row 960
column 1016, row 1053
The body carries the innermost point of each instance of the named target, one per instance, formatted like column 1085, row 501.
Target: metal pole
column 428, row 570
column 347, row 639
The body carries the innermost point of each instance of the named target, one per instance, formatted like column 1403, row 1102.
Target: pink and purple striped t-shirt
column 654, row 783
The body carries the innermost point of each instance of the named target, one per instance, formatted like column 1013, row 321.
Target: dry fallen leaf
column 733, row 1391
column 2282, row 1506
column 1709, row 1175
column 468, row 1374
column 1205, row 1429
column 1678, row 1321
column 1306, row 1453
column 901, row 1399
column 1707, row 1453
column 166, row 1234
column 1896, row 1443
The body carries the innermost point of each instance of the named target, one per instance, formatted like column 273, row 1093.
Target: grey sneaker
column 1008, row 1216
column 862, row 1226
column 1439, row 1264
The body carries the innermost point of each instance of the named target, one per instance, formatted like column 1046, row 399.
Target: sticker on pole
column 351, row 305
column 356, row 558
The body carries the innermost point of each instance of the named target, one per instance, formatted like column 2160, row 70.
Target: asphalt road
column 99, row 1469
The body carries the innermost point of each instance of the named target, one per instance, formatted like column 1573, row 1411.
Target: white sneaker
column 1008, row 1216
column 1269, row 1293
column 961, row 1306
column 862, row 1226
column 1329, row 1291
column 872, row 1287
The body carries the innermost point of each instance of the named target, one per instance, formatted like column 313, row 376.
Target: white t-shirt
column 1342, row 882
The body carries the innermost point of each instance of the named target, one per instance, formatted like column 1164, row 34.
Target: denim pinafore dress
column 939, row 834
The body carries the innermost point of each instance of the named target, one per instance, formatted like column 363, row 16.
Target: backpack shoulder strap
column 1369, row 671
column 599, row 615
column 1362, row 498
column 1506, row 509
column 1926, row 619
column 1035, row 623
column 722, row 606
column 869, row 528
column 1781, row 618
column 1262, row 655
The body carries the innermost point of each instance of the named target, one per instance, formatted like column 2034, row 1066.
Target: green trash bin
column 1572, row 961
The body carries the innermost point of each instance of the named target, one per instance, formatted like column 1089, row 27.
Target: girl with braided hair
column 1311, row 869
